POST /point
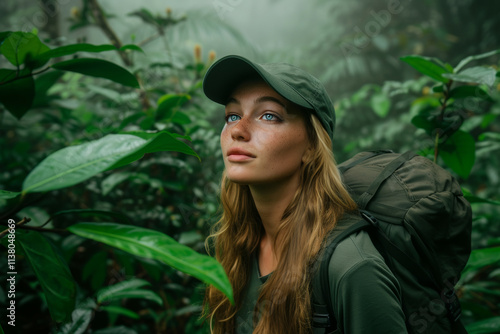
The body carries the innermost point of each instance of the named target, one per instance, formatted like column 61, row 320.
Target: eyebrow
column 261, row 99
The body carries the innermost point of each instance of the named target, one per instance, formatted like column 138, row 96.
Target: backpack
column 421, row 224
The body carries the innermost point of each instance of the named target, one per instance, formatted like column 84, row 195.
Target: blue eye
column 269, row 117
column 232, row 118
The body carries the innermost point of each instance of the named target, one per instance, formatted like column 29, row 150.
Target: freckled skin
column 270, row 128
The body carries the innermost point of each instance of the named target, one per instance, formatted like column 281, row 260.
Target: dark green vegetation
column 113, row 159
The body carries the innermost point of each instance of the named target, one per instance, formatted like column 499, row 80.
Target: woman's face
column 265, row 137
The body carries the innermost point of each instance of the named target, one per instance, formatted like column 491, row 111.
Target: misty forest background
column 109, row 151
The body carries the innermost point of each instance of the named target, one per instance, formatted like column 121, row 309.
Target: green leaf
column 381, row 104
column 75, row 164
column 98, row 68
column 16, row 95
column 128, row 289
column 4, row 35
column 4, row 194
column 476, row 199
column 113, row 180
column 470, row 91
column 120, row 311
column 23, row 47
column 481, row 258
column 157, row 142
column 135, row 294
column 168, row 103
column 423, row 122
column 80, row 321
column 131, row 47
column 427, row 66
column 74, row 48
column 42, row 84
column 491, row 325
column 467, row 60
column 131, row 119
column 180, row 118
column 95, row 268
column 52, row 272
column 459, row 153
column 487, row 120
column 479, row 74
column 158, row 246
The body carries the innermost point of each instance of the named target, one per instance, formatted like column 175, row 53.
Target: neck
column 271, row 202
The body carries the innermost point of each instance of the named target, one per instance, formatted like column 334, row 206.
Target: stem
column 102, row 22
column 436, row 146
column 149, row 39
column 446, row 94
column 24, row 76
column 19, row 224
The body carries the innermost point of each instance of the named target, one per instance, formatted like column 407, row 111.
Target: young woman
column 281, row 195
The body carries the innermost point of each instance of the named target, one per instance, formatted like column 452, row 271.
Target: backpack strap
column 391, row 167
column 323, row 315
column 343, row 168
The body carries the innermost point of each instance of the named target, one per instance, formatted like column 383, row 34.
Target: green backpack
column 420, row 222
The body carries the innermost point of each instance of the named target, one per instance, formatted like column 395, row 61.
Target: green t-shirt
column 366, row 296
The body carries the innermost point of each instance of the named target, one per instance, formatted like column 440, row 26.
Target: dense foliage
column 110, row 166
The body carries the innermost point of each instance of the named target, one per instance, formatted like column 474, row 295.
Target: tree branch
column 102, row 22
column 19, row 224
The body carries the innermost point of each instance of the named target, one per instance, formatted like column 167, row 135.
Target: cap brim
column 228, row 72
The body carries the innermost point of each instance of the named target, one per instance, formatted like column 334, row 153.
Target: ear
column 307, row 156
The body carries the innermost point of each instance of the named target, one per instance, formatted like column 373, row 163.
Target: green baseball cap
column 287, row 80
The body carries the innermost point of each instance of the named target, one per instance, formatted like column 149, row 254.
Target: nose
column 241, row 130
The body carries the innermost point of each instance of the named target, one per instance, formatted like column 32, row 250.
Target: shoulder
column 356, row 258
column 364, row 292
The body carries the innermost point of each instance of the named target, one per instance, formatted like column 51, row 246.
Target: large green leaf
column 131, row 47
column 52, row 272
column 480, row 258
column 158, row 246
column 427, row 66
column 75, row 164
column 74, row 48
column 4, row 194
column 16, row 95
column 99, row 68
column 459, row 153
column 491, row 325
column 23, row 47
column 478, row 74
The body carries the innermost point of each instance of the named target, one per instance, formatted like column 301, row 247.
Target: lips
column 238, row 154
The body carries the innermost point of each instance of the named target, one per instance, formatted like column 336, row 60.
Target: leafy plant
column 55, row 185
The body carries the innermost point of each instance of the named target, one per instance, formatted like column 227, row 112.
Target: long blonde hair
column 284, row 304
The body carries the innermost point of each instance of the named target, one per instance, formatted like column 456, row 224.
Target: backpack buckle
column 321, row 320
column 368, row 217
column 453, row 305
